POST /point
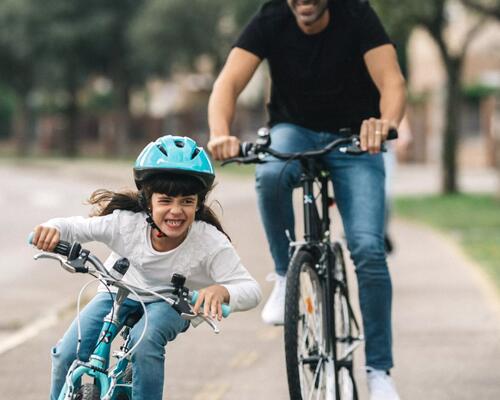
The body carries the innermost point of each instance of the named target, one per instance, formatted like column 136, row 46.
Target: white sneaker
column 274, row 310
column 380, row 385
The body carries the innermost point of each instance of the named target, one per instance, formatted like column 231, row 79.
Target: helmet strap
column 151, row 223
column 149, row 218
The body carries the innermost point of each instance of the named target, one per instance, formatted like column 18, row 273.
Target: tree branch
column 469, row 37
column 491, row 11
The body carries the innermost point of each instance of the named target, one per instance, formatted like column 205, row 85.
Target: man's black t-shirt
column 319, row 81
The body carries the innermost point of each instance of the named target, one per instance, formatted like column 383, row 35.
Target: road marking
column 244, row 359
column 211, row 391
column 269, row 334
column 28, row 332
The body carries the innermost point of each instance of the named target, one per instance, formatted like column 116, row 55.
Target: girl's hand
column 45, row 238
column 213, row 297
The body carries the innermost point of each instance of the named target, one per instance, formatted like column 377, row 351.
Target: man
column 332, row 66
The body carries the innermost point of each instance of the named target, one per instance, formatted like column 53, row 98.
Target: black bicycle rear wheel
column 310, row 369
column 346, row 384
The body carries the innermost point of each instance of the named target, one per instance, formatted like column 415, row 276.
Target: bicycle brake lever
column 56, row 257
column 195, row 322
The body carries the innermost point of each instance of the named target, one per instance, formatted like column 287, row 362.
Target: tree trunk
column 123, row 119
column 20, row 126
column 452, row 118
column 69, row 145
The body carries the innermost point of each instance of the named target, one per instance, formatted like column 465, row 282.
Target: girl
column 163, row 228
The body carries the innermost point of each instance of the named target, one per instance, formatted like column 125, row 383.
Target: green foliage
column 473, row 219
column 173, row 33
column 474, row 93
column 490, row 8
column 7, row 104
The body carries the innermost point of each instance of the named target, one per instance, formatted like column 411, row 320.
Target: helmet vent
column 195, row 153
column 179, row 143
column 162, row 149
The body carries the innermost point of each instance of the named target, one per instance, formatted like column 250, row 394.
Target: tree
column 20, row 47
column 487, row 8
column 84, row 38
column 81, row 40
column 168, row 35
column 433, row 16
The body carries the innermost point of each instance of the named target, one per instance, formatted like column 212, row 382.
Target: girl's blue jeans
column 148, row 360
column 358, row 183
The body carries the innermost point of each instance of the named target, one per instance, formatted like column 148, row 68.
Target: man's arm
column 239, row 69
column 384, row 70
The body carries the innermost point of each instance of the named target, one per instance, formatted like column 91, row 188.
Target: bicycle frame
column 98, row 364
column 317, row 238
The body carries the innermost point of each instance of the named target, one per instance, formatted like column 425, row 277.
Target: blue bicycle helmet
column 173, row 155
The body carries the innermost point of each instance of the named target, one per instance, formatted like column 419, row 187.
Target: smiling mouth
column 306, row 2
column 174, row 223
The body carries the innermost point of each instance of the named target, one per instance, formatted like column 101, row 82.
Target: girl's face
column 173, row 215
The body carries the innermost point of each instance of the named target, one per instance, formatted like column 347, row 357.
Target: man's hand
column 373, row 132
column 212, row 299
column 224, row 147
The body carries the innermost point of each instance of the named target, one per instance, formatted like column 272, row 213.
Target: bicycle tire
column 344, row 377
column 310, row 371
column 88, row 391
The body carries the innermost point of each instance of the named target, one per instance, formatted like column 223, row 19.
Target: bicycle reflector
column 309, row 305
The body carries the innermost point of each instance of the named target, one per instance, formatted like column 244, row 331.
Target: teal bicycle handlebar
column 226, row 308
column 63, row 248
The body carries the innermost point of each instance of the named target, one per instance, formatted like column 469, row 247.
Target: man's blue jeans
column 358, row 182
column 148, row 360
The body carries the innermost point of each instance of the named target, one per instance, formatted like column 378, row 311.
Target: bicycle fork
column 97, row 366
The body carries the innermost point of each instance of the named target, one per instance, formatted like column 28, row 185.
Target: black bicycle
column 321, row 330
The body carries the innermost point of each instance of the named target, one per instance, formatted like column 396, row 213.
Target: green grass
column 235, row 169
column 472, row 219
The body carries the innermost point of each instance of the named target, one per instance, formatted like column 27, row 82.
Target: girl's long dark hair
column 107, row 201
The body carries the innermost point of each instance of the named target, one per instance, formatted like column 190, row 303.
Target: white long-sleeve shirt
column 205, row 257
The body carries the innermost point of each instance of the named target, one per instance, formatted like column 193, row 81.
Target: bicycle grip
column 62, row 247
column 392, row 134
column 226, row 308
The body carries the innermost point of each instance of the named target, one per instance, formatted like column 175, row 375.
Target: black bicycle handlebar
column 250, row 153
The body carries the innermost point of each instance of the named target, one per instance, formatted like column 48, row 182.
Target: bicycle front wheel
column 310, row 370
column 88, row 392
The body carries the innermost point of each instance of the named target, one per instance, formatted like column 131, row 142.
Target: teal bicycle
column 96, row 379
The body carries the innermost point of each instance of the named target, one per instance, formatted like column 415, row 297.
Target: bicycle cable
column 278, row 192
column 97, row 278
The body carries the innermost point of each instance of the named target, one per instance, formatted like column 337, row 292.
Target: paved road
column 446, row 317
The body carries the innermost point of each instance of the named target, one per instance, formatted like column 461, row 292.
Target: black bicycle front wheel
column 310, row 369
column 88, row 391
